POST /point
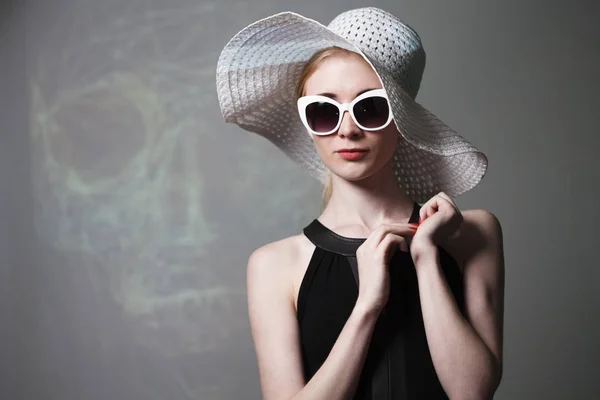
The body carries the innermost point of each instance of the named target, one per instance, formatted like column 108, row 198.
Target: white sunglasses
column 322, row 115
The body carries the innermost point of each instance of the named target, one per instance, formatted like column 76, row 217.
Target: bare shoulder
column 282, row 262
column 276, row 255
column 480, row 231
column 288, row 247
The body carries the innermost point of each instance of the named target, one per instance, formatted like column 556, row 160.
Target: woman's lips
column 352, row 154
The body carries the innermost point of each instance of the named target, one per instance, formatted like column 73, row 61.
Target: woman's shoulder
column 281, row 250
column 481, row 223
column 480, row 229
column 284, row 256
column 480, row 218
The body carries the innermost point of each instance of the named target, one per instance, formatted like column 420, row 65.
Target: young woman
column 379, row 297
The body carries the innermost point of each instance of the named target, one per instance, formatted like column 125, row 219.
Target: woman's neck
column 363, row 205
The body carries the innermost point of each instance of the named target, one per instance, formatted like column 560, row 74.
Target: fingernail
column 414, row 226
column 420, row 219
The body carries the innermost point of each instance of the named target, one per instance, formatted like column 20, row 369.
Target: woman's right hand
column 373, row 258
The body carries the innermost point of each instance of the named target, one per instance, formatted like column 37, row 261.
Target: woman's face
column 343, row 78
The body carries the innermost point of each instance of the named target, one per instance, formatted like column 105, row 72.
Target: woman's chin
column 353, row 173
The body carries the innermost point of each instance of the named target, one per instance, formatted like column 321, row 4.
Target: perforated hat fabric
column 258, row 71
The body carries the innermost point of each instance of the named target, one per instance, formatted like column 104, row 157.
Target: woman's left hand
column 439, row 219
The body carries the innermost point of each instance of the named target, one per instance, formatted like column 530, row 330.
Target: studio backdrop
column 129, row 208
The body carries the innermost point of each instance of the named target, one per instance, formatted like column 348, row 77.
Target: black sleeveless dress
column 398, row 363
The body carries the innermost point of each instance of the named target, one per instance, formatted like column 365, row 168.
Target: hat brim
column 257, row 74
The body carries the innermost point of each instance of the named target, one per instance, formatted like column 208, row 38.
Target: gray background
column 128, row 208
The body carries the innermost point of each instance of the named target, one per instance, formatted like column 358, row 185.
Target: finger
column 444, row 203
column 428, row 209
column 391, row 243
column 403, row 229
column 424, row 208
column 448, row 200
column 437, row 202
column 444, row 196
column 396, row 241
column 404, row 245
column 431, row 209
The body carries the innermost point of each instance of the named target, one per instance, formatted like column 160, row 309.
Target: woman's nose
column 348, row 127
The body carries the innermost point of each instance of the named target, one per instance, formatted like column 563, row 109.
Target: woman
column 378, row 298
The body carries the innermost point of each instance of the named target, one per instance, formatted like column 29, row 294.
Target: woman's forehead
column 343, row 76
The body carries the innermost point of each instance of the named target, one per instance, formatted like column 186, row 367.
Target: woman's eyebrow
column 330, row 95
column 365, row 91
column 333, row 96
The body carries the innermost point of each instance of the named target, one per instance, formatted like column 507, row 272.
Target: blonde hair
column 311, row 66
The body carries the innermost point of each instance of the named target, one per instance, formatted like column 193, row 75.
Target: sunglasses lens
column 322, row 117
column 372, row 112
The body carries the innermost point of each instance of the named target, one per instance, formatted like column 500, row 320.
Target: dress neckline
column 325, row 238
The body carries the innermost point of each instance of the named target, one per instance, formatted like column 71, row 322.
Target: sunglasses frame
column 305, row 101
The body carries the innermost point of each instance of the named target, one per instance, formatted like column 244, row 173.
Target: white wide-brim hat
column 259, row 69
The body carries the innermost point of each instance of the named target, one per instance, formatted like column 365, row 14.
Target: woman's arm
column 276, row 337
column 466, row 352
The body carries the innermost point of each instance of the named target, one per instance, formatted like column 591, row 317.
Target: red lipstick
column 352, row 154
